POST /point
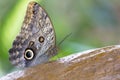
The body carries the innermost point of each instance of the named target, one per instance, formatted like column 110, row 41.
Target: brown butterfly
column 36, row 42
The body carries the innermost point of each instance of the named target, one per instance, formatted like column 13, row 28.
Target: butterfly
column 36, row 42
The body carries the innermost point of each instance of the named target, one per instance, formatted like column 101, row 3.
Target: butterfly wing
column 36, row 42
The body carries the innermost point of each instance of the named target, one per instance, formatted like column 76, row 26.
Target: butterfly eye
column 29, row 54
column 41, row 39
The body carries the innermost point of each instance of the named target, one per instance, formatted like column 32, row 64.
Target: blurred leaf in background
column 93, row 23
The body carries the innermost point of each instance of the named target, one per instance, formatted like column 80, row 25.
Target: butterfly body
column 35, row 43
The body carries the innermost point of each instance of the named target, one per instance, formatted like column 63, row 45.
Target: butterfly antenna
column 64, row 38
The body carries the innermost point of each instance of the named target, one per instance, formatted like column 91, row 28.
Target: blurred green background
column 93, row 23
